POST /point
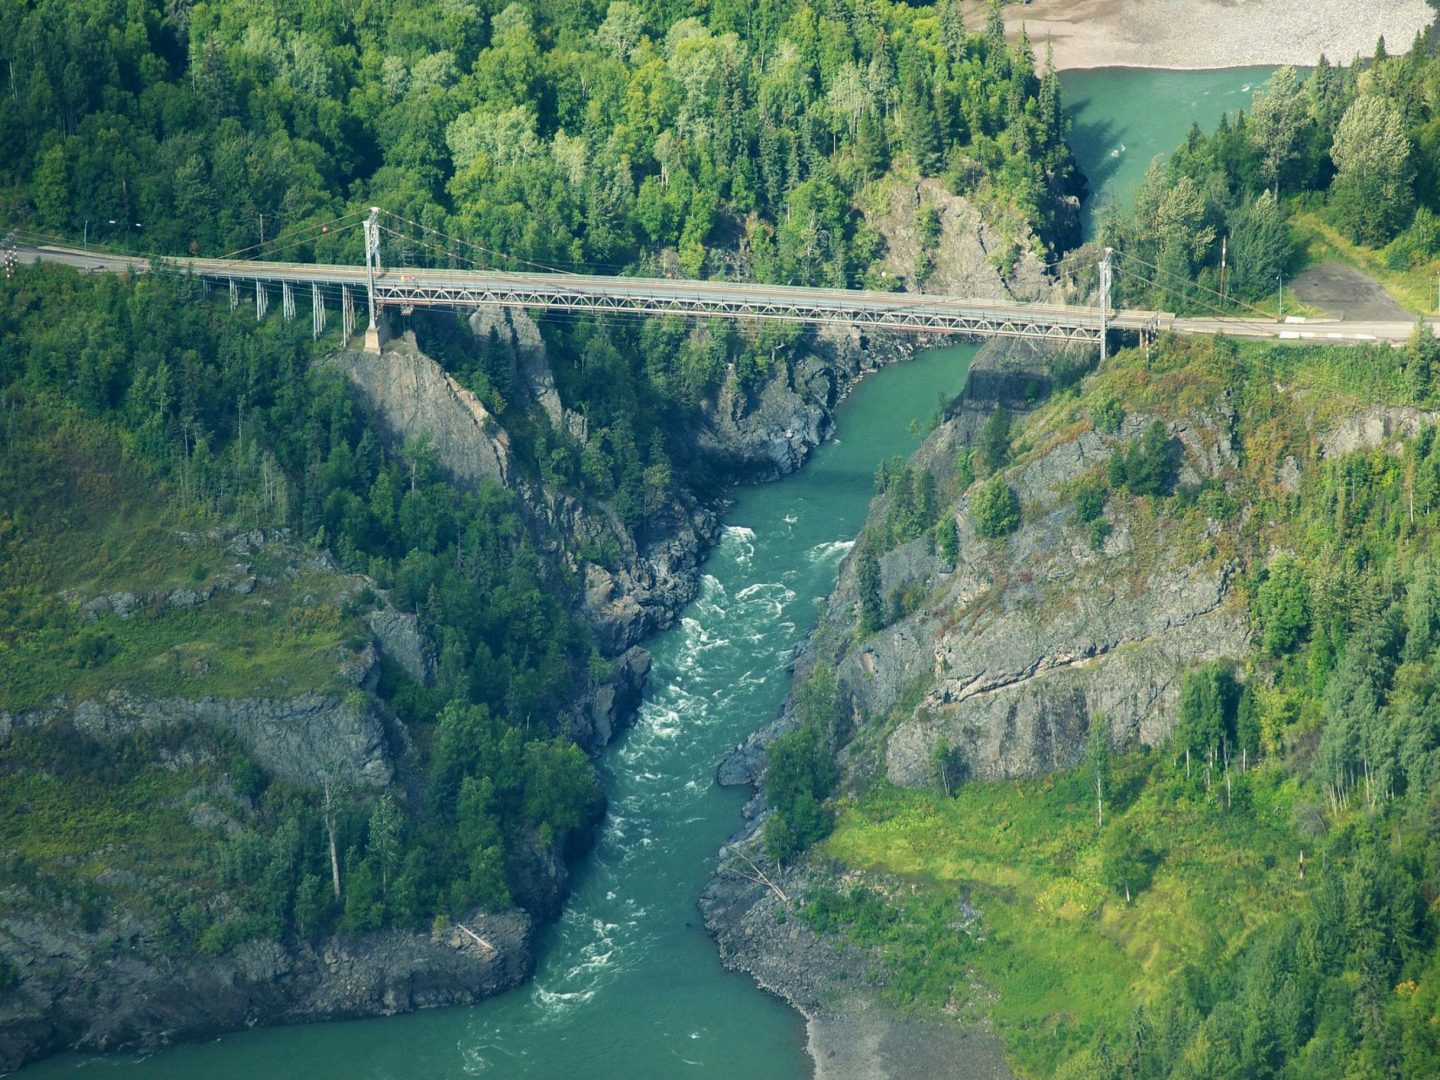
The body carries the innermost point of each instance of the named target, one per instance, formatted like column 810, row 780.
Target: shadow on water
column 1092, row 141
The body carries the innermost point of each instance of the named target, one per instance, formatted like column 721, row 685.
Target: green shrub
column 992, row 445
column 1147, row 466
column 800, row 773
column 964, row 469
column 1281, row 611
column 867, row 581
column 996, row 509
column 947, row 540
column 1089, row 501
column 1107, row 415
column 1127, row 861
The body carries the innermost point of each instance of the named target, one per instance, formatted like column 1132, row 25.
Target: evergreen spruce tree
column 952, row 29
column 867, row 580
column 919, row 124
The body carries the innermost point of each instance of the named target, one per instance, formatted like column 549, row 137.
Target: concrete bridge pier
column 372, row 336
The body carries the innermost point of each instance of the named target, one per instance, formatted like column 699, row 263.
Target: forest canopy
column 569, row 134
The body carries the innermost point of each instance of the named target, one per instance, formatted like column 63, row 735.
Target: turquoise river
column 628, row 984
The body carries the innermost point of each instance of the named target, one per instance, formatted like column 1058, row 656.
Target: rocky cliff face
column 108, row 990
column 966, row 255
column 414, row 397
column 1024, row 642
column 1014, row 375
column 119, row 985
column 769, row 433
column 761, row 435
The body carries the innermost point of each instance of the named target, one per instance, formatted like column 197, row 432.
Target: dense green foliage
column 1146, row 466
column 800, row 771
column 996, row 509
column 1353, row 149
column 734, row 137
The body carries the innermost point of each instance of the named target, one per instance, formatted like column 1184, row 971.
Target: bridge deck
column 407, row 288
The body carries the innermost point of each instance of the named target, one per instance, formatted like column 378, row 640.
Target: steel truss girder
column 899, row 319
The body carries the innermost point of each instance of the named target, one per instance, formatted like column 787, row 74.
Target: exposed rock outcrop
column 969, row 256
column 139, row 1002
column 400, row 638
column 605, row 709
column 1013, row 375
column 414, row 396
column 513, row 331
column 1025, row 641
column 769, row 433
column 298, row 739
column 1376, row 426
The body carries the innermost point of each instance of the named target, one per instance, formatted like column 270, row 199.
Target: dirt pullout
column 1210, row 33
column 1346, row 293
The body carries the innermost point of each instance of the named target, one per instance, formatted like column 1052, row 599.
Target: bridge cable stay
column 1187, row 282
column 1080, row 257
column 311, row 233
column 476, row 247
column 1220, row 314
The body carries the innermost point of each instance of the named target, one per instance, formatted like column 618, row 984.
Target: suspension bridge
column 380, row 288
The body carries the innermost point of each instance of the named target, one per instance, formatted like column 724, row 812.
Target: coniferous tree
column 867, row 581
column 919, row 124
column 952, row 30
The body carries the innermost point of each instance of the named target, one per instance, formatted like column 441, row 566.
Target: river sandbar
column 1198, row 34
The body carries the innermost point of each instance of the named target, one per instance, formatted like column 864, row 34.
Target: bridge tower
column 1105, row 304
column 372, row 264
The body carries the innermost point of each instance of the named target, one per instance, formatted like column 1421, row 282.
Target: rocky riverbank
column 117, row 989
column 1195, row 34
column 852, row 1034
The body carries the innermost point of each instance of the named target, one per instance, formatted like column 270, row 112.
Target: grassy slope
column 1060, row 953
column 78, row 519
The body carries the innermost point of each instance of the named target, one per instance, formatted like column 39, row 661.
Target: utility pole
column 1223, row 239
column 372, row 263
column 1105, row 303
column 1280, row 312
